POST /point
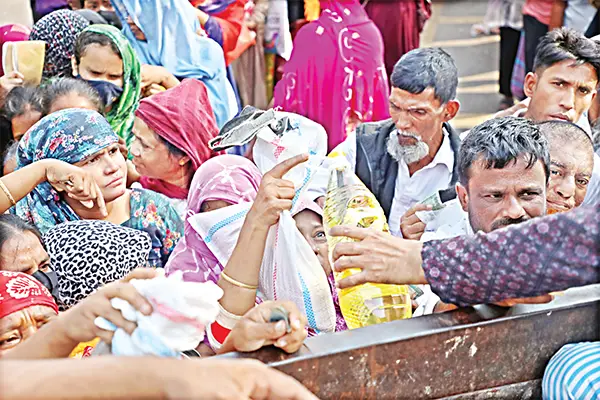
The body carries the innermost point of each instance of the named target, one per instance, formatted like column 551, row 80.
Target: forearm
column 50, row 341
column 244, row 266
column 94, row 378
column 21, row 182
column 169, row 81
column 558, row 14
column 537, row 257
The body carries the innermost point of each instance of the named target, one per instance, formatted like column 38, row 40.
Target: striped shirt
column 573, row 373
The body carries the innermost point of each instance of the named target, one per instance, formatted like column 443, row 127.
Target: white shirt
column 458, row 225
column 410, row 190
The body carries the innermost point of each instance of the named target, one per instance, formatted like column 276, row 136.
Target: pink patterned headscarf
column 230, row 178
column 336, row 74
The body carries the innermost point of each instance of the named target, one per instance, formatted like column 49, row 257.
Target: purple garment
column 340, row 322
column 540, row 256
column 230, row 178
column 44, row 7
column 214, row 31
column 214, row 6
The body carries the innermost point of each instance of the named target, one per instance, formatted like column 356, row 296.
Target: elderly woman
column 85, row 139
column 172, row 130
column 26, row 306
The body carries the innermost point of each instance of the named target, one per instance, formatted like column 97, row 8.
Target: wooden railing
column 484, row 352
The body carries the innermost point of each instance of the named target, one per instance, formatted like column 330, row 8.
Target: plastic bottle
column 349, row 202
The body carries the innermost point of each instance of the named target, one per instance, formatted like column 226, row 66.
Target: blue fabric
column 170, row 28
column 573, row 373
column 152, row 213
column 71, row 136
column 214, row 30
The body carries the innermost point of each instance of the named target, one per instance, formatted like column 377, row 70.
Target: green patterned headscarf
column 121, row 116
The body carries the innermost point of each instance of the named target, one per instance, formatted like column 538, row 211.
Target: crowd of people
column 147, row 157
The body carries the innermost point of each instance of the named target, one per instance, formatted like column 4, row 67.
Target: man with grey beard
column 411, row 157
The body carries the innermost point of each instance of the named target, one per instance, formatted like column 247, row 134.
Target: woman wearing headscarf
column 59, row 30
column 26, row 307
column 104, row 59
column 169, row 38
column 235, row 238
column 85, row 139
column 219, row 182
column 172, row 130
column 342, row 84
column 22, row 250
column 89, row 254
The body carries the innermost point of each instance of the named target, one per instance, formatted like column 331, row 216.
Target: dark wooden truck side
column 483, row 352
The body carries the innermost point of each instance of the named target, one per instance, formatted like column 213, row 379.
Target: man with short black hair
column 564, row 80
column 412, row 156
column 563, row 86
column 503, row 169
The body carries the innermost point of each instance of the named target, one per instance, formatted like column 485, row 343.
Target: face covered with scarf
column 26, row 306
column 79, row 137
column 106, row 61
column 219, row 182
column 59, row 30
column 89, row 254
column 183, row 118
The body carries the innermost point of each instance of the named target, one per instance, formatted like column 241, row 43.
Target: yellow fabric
column 84, row 349
column 312, row 9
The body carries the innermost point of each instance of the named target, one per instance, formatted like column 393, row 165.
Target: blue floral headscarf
column 71, row 136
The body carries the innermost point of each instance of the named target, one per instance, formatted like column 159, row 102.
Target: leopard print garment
column 88, row 254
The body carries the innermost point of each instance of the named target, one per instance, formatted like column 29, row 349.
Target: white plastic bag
column 278, row 38
column 290, row 269
column 181, row 313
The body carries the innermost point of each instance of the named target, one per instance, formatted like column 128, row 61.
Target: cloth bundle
column 182, row 311
column 290, row 270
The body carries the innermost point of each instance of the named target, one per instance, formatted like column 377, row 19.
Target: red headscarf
column 184, row 117
column 12, row 33
column 19, row 291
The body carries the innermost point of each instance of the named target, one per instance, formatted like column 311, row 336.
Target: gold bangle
column 237, row 283
column 7, row 193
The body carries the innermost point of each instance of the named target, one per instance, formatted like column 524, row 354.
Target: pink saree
column 336, row 74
